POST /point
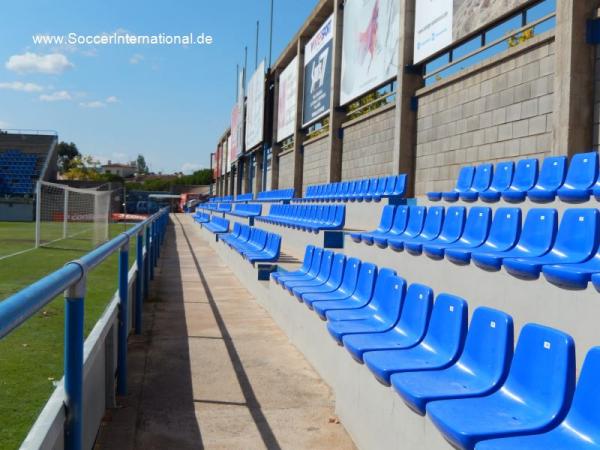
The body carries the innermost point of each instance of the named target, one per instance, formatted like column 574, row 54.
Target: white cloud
column 93, row 104
column 56, row 96
column 189, row 167
column 4, row 125
column 53, row 63
column 136, row 59
column 20, row 86
column 112, row 99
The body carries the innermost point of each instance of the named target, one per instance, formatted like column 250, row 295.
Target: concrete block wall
column 369, row 145
column 315, row 161
column 286, row 170
column 498, row 110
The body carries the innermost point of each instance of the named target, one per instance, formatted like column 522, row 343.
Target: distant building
column 122, row 170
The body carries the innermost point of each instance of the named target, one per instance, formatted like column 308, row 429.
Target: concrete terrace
column 212, row 369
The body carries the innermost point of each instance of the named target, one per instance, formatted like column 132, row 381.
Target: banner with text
column 369, row 46
column 287, row 101
column 438, row 23
column 255, row 104
column 318, row 61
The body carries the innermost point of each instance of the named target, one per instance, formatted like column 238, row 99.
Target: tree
column 85, row 168
column 66, row 152
column 140, row 162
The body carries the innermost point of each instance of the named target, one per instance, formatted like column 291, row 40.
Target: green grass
column 31, row 357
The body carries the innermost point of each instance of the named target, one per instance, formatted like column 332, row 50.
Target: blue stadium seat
column 525, row 177
column 463, row 183
column 217, row 225
column 373, row 185
column 430, row 230
column 581, row 177
column 234, row 234
column 247, row 210
column 311, row 273
column 390, row 185
column 243, row 236
column 406, row 333
column 379, row 191
column 379, row 315
column 534, row 398
column 439, row 349
column 321, row 276
column 552, row 177
column 503, row 175
column 536, row 239
column 576, row 241
column 481, row 182
column 398, row 226
column 367, row 277
column 414, row 226
column 399, row 187
column 480, row 370
column 503, row 235
column 385, row 224
column 579, row 430
column 333, row 281
column 452, row 229
column 346, row 288
column 201, row 217
column 573, row 276
column 270, row 253
column 306, row 263
column 474, row 234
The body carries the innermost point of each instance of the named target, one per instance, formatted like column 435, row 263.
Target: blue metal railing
column 71, row 279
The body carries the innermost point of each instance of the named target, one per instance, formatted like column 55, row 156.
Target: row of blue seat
column 244, row 197
column 253, row 244
column 200, row 217
column 307, row 218
column 368, row 190
column 477, row 388
column 567, row 254
column 275, row 196
column 217, row 225
column 18, row 172
column 515, row 184
column 223, row 199
column 247, row 210
column 217, row 207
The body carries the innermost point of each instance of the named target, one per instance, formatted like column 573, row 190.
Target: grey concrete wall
column 369, row 145
column 286, row 170
column 500, row 109
column 315, row 165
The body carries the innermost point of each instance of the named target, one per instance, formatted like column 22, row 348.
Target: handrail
column 71, row 279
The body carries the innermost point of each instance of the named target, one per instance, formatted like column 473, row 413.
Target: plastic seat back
column 345, row 188
column 237, row 229
column 584, row 415
column 489, row 345
column 465, row 179
column 390, row 185
column 503, row 176
column 583, row 171
column 337, row 269
column 539, row 230
column 416, row 311
column 448, row 325
column 416, row 219
column 326, row 265
column 542, row 373
column 381, row 185
column 351, row 270
column 308, row 252
column 364, row 188
column 477, row 225
column 454, row 223
column 526, row 174
column 316, row 262
column 373, row 185
column 482, row 177
column 505, row 228
column 386, row 278
column 577, row 232
column 389, row 297
column 366, row 281
column 387, row 218
column 433, row 222
column 401, row 219
column 400, row 186
column 553, row 172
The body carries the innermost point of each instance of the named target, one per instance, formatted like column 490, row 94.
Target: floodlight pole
column 271, row 36
column 256, row 47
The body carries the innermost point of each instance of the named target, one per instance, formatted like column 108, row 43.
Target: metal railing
column 71, row 279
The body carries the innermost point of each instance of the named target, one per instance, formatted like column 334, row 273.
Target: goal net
column 77, row 216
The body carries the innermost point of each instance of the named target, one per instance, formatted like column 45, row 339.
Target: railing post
column 74, row 318
column 123, row 318
column 139, row 281
column 151, row 249
column 147, row 265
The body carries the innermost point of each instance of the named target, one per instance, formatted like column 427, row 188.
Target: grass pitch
column 31, row 357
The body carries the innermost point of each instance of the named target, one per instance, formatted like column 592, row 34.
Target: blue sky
column 170, row 103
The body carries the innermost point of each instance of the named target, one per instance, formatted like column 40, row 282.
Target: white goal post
column 63, row 212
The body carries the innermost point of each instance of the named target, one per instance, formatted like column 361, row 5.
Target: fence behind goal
column 72, row 217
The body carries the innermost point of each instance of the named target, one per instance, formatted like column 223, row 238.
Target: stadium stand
column 18, row 172
column 201, row 217
column 253, row 244
column 217, row 225
column 244, row 197
column 306, row 218
column 246, row 210
column 368, row 190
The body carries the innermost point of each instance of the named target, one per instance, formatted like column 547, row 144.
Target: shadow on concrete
column 251, row 402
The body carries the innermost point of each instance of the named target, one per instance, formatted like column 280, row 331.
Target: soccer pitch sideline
column 31, row 358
